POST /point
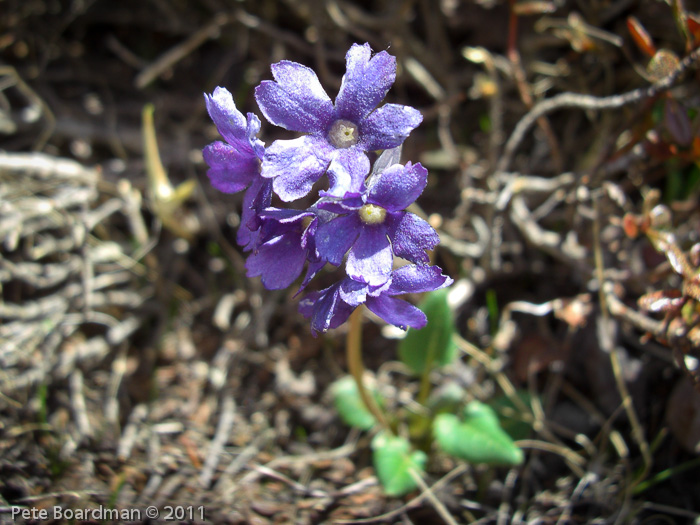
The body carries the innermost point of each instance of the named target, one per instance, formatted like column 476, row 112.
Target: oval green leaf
column 421, row 350
column 478, row 438
column 349, row 404
column 394, row 461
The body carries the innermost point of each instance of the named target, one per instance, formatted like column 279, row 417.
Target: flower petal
column 365, row 83
column 311, row 270
column 388, row 126
column 347, row 172
column 370, row 258
column 229, row 171
column 350, row 202
column 230, row 122
column 285, row 215
column 411, row 236
column 397, row 312
column 296, row 101
column 295, row 165
column 353, row 292
column 326, row 309
column 416, row 279
column 334, row 238
column 397, row 187
column 276, row 222
column 279, row 261
column 256, row 198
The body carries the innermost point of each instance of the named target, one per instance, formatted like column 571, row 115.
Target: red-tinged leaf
column 630, row 224
column 640, row 36
column 657, row 149
column 696, row 148
column 661, row 301
column 693, row 23
column 677, row 122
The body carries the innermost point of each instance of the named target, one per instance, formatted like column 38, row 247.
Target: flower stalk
column 356, row 368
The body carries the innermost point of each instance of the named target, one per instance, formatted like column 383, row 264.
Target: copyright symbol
column 152, row 512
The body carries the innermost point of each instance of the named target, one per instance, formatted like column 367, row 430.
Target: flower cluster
column 360, row 221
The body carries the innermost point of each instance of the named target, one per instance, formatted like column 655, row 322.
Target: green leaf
column 394, row 461
column 478, row 438
column 433, row 345
column 349, row 404
column 509, row 414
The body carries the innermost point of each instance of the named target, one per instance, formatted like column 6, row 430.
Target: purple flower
column 286, row 242
column 331, row 307
column 374, row 227
column 338, row 136
column 235, row 165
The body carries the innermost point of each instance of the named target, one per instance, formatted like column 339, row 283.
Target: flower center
column 306, row 221
column 343, row 134
column 371, row 214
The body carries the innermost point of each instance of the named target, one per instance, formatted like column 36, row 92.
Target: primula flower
column 235, row 165
column 374, row 227
column 287, row 240
column 331, row 307
column 338, row 136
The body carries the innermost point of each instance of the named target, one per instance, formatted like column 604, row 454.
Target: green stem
column 665, row 474
column 357, row 368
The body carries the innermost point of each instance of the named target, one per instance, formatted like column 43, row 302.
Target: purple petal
column 334, row 238
column 231, row 123
column 347, row 172
column 285, row 215
column 417, row 279
column 411, row 236
column 348, row 203
column 326, row 309
column 229, row 171
column 365, row 83
column 296, row 101
column 388, row 126
column 295, row 165
column 352, row 292
column 248, row 239
column 397, row 312
column 397, row 187
column 370, row 258
column 276, row 222
column 308, row 303
column 258, row 197
column 311, row 270
column 308, row 238
column 279, row 261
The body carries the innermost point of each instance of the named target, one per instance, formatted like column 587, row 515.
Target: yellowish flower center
column 371, row 214
column 306, row 221
column 343, row 134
